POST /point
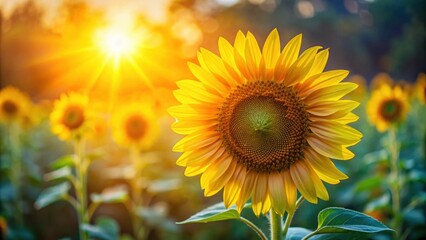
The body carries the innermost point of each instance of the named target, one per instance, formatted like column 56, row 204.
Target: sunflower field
column 212, row 119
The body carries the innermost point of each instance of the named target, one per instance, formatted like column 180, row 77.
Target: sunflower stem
column 81, row 186
column 290, row 217
column 254, row 227
column 276, row 225
column 136, row 202
column 16, row 169
column 394, row 171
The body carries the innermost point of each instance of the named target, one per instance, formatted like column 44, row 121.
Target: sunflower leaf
column 52, row 194
column 105, row 229
column 214, row 213
column 350, row 224
column 64, row 161
column 297, row 233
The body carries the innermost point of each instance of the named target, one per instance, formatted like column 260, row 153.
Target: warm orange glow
column 116, row 42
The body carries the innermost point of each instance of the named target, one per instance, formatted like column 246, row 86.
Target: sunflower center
column 135, row 127
column 391, row 110
column 264, row 126
column 73, row 117
column 10, row 107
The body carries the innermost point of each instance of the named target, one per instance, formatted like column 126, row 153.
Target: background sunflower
column 71, row 117
column 387, row 107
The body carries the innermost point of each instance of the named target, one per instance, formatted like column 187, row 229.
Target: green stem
column 290, row 217
column 276, row 224
column 16, row 169
column 136, row 190
column 394, row 171
column 254, row 227
column 81, row 186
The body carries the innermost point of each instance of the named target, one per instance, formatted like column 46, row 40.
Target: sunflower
column 264, row 124
column 14, row 105
column 135, row 126
column 387, row 107
column 420, row 87
column 380, row 79
column 70, row 117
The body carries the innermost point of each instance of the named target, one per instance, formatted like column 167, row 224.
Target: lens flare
column 116, row 42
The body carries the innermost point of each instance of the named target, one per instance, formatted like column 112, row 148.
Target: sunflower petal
column 260, row 191
column 329, row 149
column 302, row 178
column 271, row 49
column 277, row 191
column 233, row 188
column 287, row 57
column 323, row 164
column 300, row 69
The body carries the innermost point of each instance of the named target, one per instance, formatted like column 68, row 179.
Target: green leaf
column 297, row 233
column 111, row 195
column 105, row 229
column 64, row 172
column 160, row 186
column 67, row 160
column 214, row 213
column 353, row 224
column 369, row 184
column 52, row 194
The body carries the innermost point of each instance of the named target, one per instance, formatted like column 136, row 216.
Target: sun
column 115, row 42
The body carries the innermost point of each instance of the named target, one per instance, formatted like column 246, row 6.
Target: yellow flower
column 421, row 87
column 14, row 105
column 387, row 107
column 135, row 126
column 381, row 79
column 264, row 124
column 70, row 117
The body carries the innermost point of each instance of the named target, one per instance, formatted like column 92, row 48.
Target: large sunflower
column 70, row 117
column 387, row 107
column 135, row 125
column 14, row 105
column 264, row 124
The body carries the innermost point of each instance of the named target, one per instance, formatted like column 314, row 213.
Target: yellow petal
column 319, row 63
column 271, row 49
column 326, row 108
column 253, row 55
column 240, row 43
column 277, row 192
column 259, row 193
column 323, row 164
column 198, row 91
column 336, row 132
column 287, row 57
column 208, row 79
column 300, row 69
column 233, row 187
column 246, row 191
column 320, row 189
column 302, row 178
column 334, row 92
column 216, row 184
column 215, row 170
column 195, row 141
column 290, row 191
column 329, row 149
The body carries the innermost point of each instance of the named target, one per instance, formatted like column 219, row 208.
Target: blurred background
column 51, row 47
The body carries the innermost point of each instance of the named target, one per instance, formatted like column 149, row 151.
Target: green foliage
column 110, row 195
column 214, row 213
column 52, row 194
column 105, row 229
column 340, row 223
